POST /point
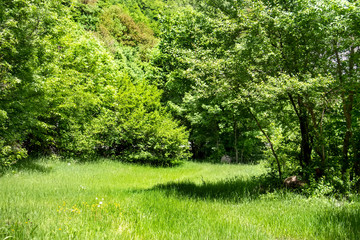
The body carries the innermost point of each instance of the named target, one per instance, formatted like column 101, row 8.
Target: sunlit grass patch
column 112, row 200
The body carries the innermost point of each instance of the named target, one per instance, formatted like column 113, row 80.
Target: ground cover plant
column 49, row 198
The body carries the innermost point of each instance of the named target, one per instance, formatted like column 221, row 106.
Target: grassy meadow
column 52, row 199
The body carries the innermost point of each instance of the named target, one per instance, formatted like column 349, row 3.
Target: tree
column 194, row 69
column 63, row 92
column 299, row 53
column 293, row 62
column 23, row 27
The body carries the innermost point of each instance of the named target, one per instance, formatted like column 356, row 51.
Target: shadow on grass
column 28, row 165
column 340, row 223
column 218, row 162
column 234, row 190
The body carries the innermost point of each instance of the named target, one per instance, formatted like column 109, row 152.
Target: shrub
column 134, row 127
column 10, row 154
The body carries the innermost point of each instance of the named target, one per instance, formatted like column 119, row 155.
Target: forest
column 158, row 82
column 241, row 116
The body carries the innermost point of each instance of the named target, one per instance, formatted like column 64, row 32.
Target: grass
column 52, row 199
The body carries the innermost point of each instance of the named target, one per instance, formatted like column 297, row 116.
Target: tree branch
column 269, row 141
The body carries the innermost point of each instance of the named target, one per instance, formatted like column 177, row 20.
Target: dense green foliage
column 246, row 79
column 280, row 72
column 63, row 91
column 194, row 65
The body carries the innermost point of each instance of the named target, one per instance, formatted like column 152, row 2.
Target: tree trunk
column 236, row 142
column 270, row 143
column 347, row 107
column 318, row 131
column 305, row 152
column 347, row 99
column 305, row 142
column 305, row 134
column 242, row 154
column 356, row 166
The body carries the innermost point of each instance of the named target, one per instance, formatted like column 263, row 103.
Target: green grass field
column 52, row 199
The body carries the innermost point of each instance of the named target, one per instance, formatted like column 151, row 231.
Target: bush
column 10, row 154
column 134, row 127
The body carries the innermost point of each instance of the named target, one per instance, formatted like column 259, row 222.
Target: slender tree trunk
column 236, row 142
column 269, row 141
column 305, row 153
column 305, row 139
column 347, row 107
column 356, row 166
column 242, row 154
column 217, row 129
column 347, row 99
column 322, row 137
column 318, row 130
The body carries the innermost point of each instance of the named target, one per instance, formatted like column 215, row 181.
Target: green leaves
column 63, row 92
column 294, row 64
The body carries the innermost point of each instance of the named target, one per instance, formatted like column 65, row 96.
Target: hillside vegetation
column 72, row 83
column 159, row 82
